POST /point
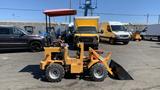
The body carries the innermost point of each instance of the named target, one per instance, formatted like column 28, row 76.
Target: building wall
column 37, row 26
column 135, row 27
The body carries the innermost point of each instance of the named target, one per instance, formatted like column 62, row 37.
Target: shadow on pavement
column 35, row 71
column 151, row 40
column 38, row 74
column 158, row 43
column 117, row 43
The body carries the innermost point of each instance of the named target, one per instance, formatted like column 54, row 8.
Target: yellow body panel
column 48, row 51
column 92, row 62
column 76, row 63
column 77, row 67
column 100, row 59
column 47, row 60
column 136, row 36
column 86, row 35
column 86, row 22
column 107, row 31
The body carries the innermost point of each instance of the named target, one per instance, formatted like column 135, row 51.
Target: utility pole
column 158, row 19
column 70, row 6
column 88, row 5
column 147, row 19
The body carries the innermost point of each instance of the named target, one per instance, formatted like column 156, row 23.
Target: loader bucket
column 119, row 72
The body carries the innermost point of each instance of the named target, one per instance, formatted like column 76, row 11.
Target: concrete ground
column 20, row 70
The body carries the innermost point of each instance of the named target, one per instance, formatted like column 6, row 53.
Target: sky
column 131, row 7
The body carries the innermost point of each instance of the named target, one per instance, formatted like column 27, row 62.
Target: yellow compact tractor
column 136, row 36
column 57, row 63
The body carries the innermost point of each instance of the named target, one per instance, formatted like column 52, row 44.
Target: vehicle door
column 6, row 37
column 102, row 31
column 106, row 33
column 20, row 39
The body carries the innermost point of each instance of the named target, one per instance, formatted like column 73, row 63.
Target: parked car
column 12, row 37
column 151, row 32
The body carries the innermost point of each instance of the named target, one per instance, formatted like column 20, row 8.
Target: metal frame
column 49, row 14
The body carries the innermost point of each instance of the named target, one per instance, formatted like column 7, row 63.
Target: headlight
column 117, row 36
column 95, row 39
column 41, row 36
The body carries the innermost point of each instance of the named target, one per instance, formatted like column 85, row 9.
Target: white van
column 114, row 32
column 151, row 32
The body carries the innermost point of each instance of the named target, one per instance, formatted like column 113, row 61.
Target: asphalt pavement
column 20, row 70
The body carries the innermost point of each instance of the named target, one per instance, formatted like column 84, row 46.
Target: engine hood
column 121, row 33
column 86, row 35
column 35, row 35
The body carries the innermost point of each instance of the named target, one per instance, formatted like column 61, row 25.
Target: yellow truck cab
column 86, row 30
column 114, row 32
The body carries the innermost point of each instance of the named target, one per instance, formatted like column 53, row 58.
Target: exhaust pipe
column 119, row 72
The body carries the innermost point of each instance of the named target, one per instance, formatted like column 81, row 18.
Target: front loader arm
column 102, row 60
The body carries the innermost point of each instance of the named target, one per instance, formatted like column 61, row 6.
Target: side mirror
column 101, row 31
column 144, row 30
column 21, row 34
column 109, row 30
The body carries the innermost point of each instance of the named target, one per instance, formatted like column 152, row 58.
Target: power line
column 17, row 9
column 119, row 14
column 115, row 14
column 96, row 13
column 99, row 13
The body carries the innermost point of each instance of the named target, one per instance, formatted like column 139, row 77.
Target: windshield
column 118, row 28
column 25, row 32
column 86, row 30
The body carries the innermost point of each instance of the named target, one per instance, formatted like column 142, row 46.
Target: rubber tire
column 150, row 39
column 159, row 39
column 142, row 37
column 36, row 43
column 58, row 67
column 96, row 66
column 111, row 41
column 100, row 40
column 125, row 43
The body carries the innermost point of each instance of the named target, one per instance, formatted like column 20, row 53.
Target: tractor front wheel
column 55, row 72
column 98, row 72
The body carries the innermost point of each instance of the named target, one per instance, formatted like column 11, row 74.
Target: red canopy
column 60, row 12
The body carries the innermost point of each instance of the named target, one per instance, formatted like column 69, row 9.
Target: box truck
column 86, row 30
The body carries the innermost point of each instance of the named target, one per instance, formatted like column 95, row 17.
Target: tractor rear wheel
column 98, row 72
column 55, row 72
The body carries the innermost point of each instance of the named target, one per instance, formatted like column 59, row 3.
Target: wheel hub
column 98, row 73
column 54, row 74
